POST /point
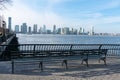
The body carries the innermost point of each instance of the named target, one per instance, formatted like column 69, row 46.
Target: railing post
column 34, row 49
column 100, row 46
column 99, row 52
column 12, row 67
column 71, row 49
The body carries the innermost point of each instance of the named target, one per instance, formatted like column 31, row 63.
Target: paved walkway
column 54, row 71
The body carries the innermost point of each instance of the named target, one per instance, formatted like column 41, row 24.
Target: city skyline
column 103, row 15
column 24, row 28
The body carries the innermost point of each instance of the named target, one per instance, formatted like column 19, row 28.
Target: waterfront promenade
column 54, row 71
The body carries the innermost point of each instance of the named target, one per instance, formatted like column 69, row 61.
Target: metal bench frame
column 47, row 51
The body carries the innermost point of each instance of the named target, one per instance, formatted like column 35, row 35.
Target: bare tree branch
column 3, row 3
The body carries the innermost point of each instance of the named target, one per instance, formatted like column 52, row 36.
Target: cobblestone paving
column 54, row 71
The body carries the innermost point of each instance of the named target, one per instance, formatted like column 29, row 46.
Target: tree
column 3, row 3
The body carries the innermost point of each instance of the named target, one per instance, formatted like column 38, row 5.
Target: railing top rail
column 66, row 44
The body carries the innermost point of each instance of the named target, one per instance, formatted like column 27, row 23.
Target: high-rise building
column 48, row 31
column 65, row 30
column 35, row 28
column 73, row 31
column 59, row 31
column 40, row 30
column 80, row 31
column 44, row 29
column 91, row 31
column 83, row 31
column 9, row 23
column 54, row 29
column 29, row 30
column 24, row 28
column 17, row 28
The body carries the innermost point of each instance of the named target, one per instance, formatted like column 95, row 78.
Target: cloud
column 57, row 1
column 102, row 20
column 109, row 5
column 111, row 19
column 21, row 13
column 113, row 4
column 90, row 15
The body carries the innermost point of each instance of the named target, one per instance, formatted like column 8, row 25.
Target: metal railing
column 113, row 49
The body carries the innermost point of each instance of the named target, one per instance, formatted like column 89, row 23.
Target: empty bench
column 63, row 52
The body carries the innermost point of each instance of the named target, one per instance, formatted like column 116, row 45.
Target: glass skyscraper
column 9, row 23
column 24, row 28
column 17, row 28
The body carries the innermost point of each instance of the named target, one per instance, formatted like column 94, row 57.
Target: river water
column 66, row 39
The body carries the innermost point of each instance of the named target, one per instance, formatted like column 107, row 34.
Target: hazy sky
column 104, row 15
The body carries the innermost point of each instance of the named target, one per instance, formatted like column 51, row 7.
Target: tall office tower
column 62, row 30
column 21, row 29
column 59, row 31
column 29, row 30
column 48, row 31
column 92, row 31
column 40, row 30
column 9, row 23
column 83, row 31
column 73, row 31
column 35, row 28
column 80, row 31
column 65, row 30
column 24, row 28
column 17, row 28
column 44, row 29
column 54, row 29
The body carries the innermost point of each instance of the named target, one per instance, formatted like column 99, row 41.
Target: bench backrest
column 86, row 46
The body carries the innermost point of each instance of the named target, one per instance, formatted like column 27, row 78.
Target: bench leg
column 41, row 65
column 104, row 59
column 65, row 62
column 82, row 61
column 86, row 61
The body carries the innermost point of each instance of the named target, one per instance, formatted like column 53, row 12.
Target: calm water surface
column 66, row 39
